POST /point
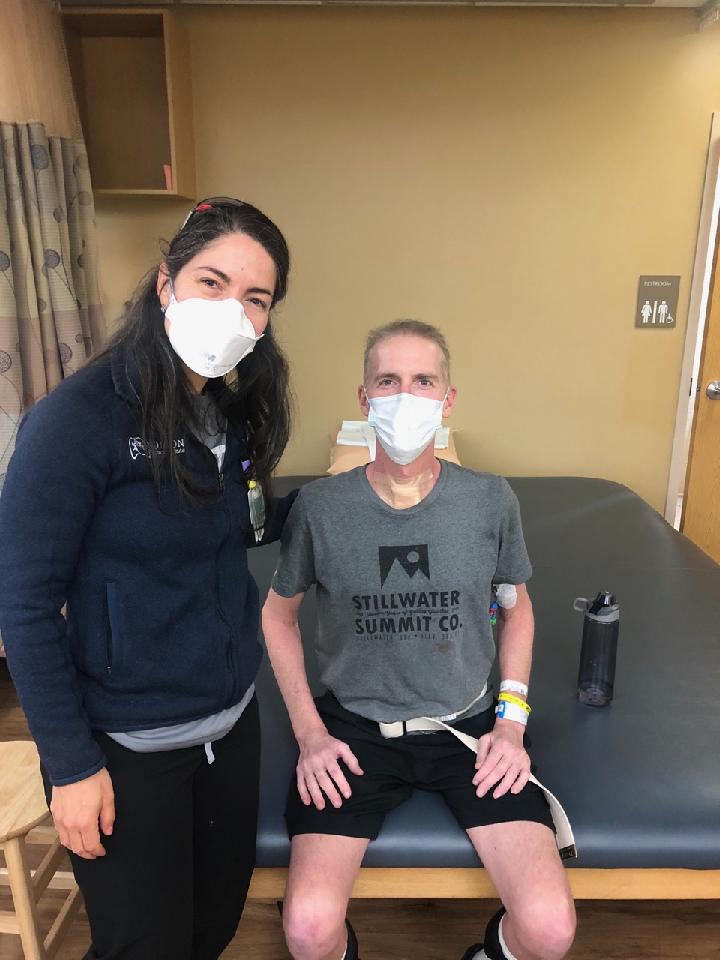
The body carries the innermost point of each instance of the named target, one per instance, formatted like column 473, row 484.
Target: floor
column 429, row 930
column 442, row 930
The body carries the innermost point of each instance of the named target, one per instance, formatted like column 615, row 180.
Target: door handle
column 713, row 390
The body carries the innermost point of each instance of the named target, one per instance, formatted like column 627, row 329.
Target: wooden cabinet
column 131, row 74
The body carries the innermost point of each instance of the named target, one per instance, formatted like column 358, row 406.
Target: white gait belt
column 563, row 830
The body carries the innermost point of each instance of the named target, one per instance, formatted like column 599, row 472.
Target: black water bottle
column 601, row 625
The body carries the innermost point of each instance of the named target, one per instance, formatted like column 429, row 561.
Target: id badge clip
column 256, row 503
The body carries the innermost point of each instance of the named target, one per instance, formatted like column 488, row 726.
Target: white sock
column 480, row 956
column 501, row 938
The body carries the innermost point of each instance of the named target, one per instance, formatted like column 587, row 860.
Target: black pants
column 173, row 882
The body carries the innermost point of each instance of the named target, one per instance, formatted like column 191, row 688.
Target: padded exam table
column 640, row 779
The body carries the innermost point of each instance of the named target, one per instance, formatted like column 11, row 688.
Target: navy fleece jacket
column 162, row 613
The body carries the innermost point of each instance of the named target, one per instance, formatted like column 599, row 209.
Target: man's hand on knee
column 502, row 760
column 319, row 774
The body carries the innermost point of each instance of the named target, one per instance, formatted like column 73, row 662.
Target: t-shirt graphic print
column 403, row 595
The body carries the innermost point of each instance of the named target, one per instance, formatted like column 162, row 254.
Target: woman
column 134, row 491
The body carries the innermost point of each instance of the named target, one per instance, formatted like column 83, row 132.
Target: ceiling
column 699, row 4
column 708, row 11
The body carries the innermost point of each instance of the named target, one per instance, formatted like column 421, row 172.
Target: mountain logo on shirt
column 412, row 558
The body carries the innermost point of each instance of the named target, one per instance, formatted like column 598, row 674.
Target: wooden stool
column 22, row 809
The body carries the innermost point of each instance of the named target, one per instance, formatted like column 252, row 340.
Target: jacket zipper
column 108, row 635
column 221, row 614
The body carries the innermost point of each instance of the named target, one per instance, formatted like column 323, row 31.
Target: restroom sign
column 657, row 302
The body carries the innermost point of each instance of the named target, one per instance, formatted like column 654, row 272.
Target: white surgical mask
column 210, row 336
column 405, row 424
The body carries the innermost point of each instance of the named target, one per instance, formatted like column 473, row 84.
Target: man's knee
column 546, row 927
column 313, row 929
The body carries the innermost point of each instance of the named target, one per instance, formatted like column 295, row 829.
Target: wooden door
column 701, row 509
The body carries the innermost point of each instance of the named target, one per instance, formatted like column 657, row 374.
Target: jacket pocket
column 113, row 637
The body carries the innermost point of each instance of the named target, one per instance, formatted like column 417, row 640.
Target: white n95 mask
column 210, row 336
column 405, row 424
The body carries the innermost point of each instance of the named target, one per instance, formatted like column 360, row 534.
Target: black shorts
column 438, row 762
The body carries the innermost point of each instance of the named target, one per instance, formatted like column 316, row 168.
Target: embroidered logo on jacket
column 137, row 447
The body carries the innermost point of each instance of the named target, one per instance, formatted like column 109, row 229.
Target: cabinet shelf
column 130, row 71
column 140, row 192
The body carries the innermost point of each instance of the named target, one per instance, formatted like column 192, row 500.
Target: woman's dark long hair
column 255, row 397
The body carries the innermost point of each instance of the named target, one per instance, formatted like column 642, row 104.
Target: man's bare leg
column 322, row 872
column 522, row 860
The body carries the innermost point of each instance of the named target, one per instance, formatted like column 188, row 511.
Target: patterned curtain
column 51, row 318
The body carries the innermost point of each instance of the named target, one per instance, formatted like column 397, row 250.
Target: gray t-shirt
column 211, row 426
column 403, row 596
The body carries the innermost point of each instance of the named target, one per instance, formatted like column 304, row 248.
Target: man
column 404, row 554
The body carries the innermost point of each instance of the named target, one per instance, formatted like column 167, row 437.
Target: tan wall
column 507, row 174
column 131, row 233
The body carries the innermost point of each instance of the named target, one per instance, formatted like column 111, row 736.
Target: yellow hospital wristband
column 509, row 698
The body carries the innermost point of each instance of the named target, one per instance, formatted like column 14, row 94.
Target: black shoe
column 493, row 948
column 352, row 943
column 471, row 951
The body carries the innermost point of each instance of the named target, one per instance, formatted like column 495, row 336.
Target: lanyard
column 256, row 503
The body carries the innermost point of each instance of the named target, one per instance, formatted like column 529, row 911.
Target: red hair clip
column 200, row 208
